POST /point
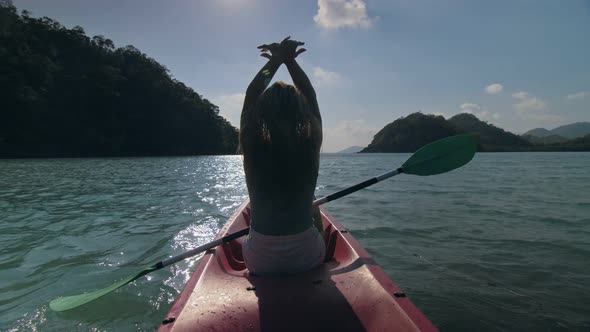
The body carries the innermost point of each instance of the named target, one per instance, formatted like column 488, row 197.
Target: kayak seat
column 246, row 215
column 233, row 253
column 233, row 249
column 236, row 245
column 330, row 238
column 327, row 232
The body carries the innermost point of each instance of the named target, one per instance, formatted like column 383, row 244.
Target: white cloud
column 230, row 107
column 547, row 118
column 528, row 102
column 444, row 115
column 578, row 95
column 528, row 108
column 470, row 108
column 479, row 111
column 334, row 14
column 493, row 89
column 520, row 95
column 346, row 134
column 323, row 77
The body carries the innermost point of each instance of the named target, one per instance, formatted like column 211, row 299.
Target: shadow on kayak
column 358, row 263
column 306, row 302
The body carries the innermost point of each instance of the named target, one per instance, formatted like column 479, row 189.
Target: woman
column 280, row 137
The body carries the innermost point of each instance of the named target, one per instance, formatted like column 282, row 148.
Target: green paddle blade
column 441, row 156
column 71, row 302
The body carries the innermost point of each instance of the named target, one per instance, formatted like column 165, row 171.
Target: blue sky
column 516, row 64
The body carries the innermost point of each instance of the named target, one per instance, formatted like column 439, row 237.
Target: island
column 409, row 133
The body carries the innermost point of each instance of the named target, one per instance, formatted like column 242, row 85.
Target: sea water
column 502, row 244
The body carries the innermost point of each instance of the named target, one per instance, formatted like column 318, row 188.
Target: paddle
column 437, row 157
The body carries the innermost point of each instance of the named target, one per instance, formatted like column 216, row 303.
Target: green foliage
column 408, row 134
column 577, row 144
column 490, row 137
column 550, row 139
column 65, row 94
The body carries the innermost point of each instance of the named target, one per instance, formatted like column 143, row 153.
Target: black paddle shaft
column 357, row 187
column 202, row 248
column 245, row 231
column 352, row 189
column 236, row 235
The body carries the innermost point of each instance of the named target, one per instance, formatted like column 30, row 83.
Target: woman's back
column 280, row 137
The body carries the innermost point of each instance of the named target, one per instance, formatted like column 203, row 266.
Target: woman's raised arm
column 260, row 82
column 285, row 52
column 289, row 52
column 302, row 83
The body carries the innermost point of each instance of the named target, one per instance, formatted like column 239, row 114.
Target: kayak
column 349, row 292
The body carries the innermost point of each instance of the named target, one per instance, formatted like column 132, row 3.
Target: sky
column 516, row 64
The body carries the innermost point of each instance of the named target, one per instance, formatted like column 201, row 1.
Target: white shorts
column 267, row 255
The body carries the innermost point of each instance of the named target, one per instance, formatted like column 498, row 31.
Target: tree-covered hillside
column 63, row 93
column 490, row 137
column 573, row 130
column 576, row 144
column 551, row 139
column 407, row 134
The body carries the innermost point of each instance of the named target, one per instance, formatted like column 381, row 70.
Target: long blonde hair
column 281, row 139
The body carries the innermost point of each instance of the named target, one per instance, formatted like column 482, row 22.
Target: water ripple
column 499, row 245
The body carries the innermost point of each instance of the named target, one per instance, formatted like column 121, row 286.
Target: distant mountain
column 563, row 133
column 538, row 132
column 407, row 134
column 574, row 130
column 352, row 149
column 490, row 137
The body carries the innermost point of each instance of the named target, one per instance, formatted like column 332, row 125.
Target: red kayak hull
column 349, row 292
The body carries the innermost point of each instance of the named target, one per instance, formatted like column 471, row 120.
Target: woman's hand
column 289, row 49
column 272, row 48
column 283, row 52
